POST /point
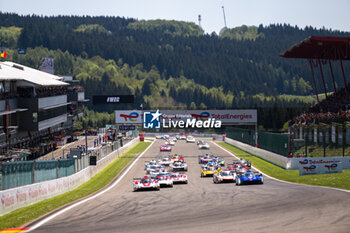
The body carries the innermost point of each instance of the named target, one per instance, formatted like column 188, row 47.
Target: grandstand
column 323, row 128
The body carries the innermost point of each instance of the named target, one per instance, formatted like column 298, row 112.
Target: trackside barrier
column 15, row 198
column 296, row 162
column 271, row 157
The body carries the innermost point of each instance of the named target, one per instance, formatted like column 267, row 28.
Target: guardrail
column 15, row 198
column 269, row 156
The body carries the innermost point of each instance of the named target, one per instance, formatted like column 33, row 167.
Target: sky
column 317, row 13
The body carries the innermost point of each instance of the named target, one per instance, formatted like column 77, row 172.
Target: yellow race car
column 210, row 171
column 177, row 158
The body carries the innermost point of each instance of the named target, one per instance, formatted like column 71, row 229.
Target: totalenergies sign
column 230, row 116
column 320, row 166
column 127, row 117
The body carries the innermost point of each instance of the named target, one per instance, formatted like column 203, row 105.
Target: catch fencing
column 15, row 198
column 275, row 142
column 20, row 173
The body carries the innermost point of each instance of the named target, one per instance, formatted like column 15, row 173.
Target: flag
column 3, row 54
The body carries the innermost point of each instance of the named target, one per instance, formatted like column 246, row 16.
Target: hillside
column 170, row 64
column 249, row 63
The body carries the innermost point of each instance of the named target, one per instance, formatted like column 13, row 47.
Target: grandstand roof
column 319, row 47
column 14, row 71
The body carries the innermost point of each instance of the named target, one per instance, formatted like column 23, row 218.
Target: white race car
column 155, row 173
column 182, row 137
column 178, row 166
column 154, row 168
column 224, row 176
column 203, row 145
column 178, row 178
column 164, row 180
column 152, row 162
column 165, row 161
column 190, row 139
column 145, row 183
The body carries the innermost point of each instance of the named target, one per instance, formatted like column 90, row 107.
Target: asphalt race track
column 202, row 206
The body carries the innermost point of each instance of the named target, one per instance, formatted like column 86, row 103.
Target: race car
column 178, row 178
column 243, row 162
column 249, row 177
column 159, row 136
column 165, row 148
column 209, row 171
column 170, row 142
column 152, row 162
column 190, row 139
column 157, row 172
column 205, row 159
column 235, row 166
column 153, row 168
column 208, row 164
column 165, row 162
column 177, row 158
column 182, row 137
column 203, row 145
column 173, row 139
column 164, row 180
column 178, row 166
column 224, row 176
column 145, row 183
column 219, row 161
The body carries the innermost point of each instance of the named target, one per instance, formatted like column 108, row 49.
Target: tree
column 146, row 87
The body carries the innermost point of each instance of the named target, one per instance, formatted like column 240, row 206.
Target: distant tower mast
column 223, row 11
column 199, row 20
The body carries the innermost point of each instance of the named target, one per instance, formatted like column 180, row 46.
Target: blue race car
column 249, row 177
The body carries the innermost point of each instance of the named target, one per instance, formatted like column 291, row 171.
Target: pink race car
column 165, row 148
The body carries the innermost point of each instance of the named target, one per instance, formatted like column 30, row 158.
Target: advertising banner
column 246, row 116
column 312, row 166
column 340, row 135
column 225, row 116
column 331, row 168
column 308, row 169
column 128, row 117
column 112, row 99
column 315, row 135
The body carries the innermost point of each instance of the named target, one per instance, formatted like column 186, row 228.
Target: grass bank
column 340, row 180
column 24, row 215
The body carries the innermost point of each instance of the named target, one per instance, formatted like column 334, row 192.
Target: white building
column 33, row 105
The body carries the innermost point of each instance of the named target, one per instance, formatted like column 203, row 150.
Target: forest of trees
column 171, row 64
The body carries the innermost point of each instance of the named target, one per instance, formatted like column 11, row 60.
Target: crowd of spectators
column 50, row 91
column 334, row 108
column 75, row 89
column 41, row 92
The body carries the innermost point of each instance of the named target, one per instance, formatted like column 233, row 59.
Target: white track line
column 282, row 181
column 50, row 217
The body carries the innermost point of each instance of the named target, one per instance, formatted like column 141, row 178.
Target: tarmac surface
column 202, row 206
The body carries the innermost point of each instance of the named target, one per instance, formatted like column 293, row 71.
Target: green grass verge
column 24, row 215
column 340, row 180
column 318, row 151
